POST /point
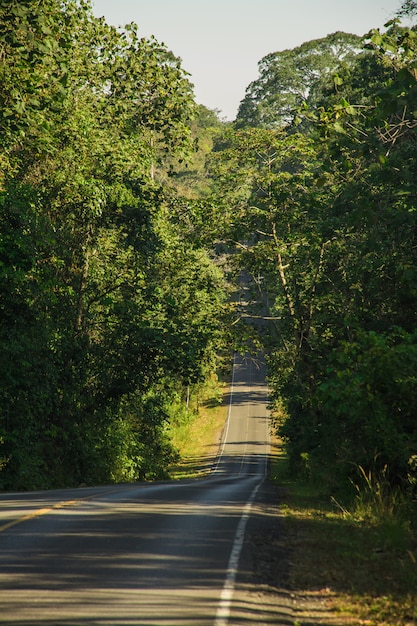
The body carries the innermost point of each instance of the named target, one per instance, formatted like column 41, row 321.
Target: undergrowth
column 195, row 431
column 361, row 557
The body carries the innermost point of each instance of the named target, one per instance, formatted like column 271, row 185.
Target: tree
column 371, row 213
column 289, row 77
column 408, row 8
column 95, row 338
column 328, row 217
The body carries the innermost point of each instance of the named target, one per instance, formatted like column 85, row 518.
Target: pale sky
column 221, row 42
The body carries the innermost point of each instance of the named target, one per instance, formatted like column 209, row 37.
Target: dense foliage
column 109, row 307
column 120, row 198
column 324, row 186
column 288, row 78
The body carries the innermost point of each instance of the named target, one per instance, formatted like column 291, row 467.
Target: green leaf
column 338, row 127
column 377, row 39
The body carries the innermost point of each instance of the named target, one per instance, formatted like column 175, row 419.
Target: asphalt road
column 167, row 553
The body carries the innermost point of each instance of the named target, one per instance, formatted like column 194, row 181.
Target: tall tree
column 94, row 337
column 329, row 220
column 289, row 77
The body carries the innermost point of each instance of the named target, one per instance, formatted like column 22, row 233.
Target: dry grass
column 366, row 573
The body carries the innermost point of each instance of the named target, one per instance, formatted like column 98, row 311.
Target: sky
column 221, row 42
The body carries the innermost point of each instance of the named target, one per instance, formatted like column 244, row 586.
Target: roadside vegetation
column 113, row 303
column 359, row 563
column 196, row 431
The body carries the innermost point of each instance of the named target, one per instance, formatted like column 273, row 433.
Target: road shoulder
column 263, row 594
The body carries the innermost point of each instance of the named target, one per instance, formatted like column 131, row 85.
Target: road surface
column 167, row 553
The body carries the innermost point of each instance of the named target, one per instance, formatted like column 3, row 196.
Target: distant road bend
column 167, row 553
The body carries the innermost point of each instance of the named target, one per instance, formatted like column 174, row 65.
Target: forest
column 128, row 211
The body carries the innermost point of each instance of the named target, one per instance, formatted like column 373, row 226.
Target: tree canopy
column 127, row 212
column 108, row 307
column 289, row 77
column 320, row 170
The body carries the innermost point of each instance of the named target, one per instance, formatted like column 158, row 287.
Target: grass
column 363, row 568
column 197, row 436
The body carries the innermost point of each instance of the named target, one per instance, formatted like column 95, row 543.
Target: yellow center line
column 58, row 505
column 38, row 513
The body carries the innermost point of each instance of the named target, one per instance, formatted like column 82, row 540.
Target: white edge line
column 226, row 596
